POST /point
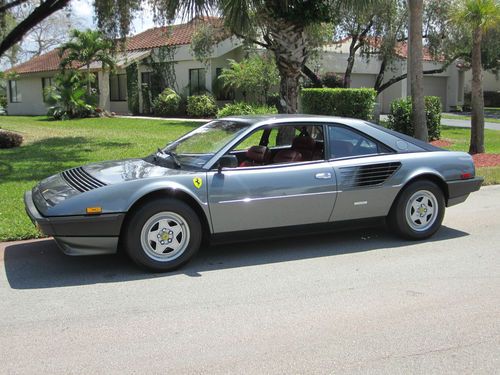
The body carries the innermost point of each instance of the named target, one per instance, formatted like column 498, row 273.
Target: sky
column 83, row 10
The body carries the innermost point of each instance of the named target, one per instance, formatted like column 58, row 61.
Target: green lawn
column 52, row 146
column 460, row 138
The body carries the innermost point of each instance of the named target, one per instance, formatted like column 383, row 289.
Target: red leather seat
column 287, row 156
column 256, row 155
column 305, row 145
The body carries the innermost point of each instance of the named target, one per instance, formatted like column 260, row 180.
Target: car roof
column 275, row 119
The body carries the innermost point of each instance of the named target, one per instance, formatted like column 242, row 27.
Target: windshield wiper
column 172, row 155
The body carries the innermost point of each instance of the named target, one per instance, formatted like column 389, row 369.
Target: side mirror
column 227, row 161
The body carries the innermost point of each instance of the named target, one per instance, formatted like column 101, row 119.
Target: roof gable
column 174, row 35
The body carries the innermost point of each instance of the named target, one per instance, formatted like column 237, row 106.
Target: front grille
column 368, row 175
column 80, row 180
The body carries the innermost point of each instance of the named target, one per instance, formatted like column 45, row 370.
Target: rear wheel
column 419, row 211
column 163, row 234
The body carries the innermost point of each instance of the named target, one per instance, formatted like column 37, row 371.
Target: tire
column 413, row 215
column 163, row 234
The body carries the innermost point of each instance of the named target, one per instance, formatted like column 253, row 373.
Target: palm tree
column 282, row 27
column 415, row 70
column 86, row 47
column 479, row 16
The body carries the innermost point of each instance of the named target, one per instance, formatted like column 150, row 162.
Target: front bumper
column 459, row 190
column 78, row 235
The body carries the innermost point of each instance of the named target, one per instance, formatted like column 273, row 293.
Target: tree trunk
column 415, row 59
column 316, row 81
column 290, row 47
column 477, row 100
column 350, row 62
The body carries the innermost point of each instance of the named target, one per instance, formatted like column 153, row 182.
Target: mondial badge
column 197, row 182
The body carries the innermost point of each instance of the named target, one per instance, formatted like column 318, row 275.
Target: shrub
column 3, row 101
column 400, row 116
column 201, row 106
column 167, row 103
column 69, row 98
column 10, row 139
column 332, row 80
column 356, row 103
column 241, row 108
column 255, row 76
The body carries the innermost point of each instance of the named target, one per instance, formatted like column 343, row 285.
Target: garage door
column 436, row 86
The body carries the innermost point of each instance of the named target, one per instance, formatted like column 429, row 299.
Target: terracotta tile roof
column 174, row 35
column 401, row 48
column 44, row 63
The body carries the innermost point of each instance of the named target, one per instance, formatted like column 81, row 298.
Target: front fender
column 118, row 198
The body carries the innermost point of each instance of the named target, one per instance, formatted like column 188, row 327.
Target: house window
column 197, row 82
column 118, row 87
column 146, row 79
column 46, row 83
column 15, row 95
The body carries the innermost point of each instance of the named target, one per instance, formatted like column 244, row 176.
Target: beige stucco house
column 448, row 85
column 25, row 93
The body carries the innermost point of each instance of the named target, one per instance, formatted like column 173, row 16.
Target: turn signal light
column 94, row 210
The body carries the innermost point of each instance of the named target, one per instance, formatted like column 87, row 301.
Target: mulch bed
column 486, row 160
column 480, row 160
column 441, row 143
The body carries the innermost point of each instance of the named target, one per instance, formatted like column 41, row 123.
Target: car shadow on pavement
column 40, row 264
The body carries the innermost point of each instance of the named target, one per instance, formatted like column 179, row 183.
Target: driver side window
column 281, row 144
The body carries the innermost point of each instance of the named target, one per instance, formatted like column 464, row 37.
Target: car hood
column 63, row 186
column 112, row 172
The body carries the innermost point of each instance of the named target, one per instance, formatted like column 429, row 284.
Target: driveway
column 456, row 122
column 357, row 302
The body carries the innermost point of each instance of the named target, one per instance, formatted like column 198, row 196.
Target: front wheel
column 163, row 234
column 419, row 210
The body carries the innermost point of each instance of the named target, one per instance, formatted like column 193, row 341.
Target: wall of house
column 491, row 81
column 30, row 88
column 446, row 85
column 185, row 61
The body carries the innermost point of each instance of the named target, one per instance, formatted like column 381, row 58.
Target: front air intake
column 80, row 180
column 368, row 175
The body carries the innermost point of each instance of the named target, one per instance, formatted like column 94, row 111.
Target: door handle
column 323, row 176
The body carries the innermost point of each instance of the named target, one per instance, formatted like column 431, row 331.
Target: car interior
column 265, row 146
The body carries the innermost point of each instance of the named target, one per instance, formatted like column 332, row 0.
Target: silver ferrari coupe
column 259, row 175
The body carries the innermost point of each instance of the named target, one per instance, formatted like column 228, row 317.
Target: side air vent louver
column 368, row 175
column 80, row 180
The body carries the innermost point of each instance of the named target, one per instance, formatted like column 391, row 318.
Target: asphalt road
column 358, row 302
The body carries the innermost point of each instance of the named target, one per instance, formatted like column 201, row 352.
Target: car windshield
column 197, row 147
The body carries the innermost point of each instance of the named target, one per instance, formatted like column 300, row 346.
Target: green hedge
column 201, row 106
column 241, row 108
column 400, row 116
column 355, row 103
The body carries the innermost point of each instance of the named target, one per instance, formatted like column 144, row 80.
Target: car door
column 269, row 196
column 365, row 169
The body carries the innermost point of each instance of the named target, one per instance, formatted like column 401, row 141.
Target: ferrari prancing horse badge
column 197, row 182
